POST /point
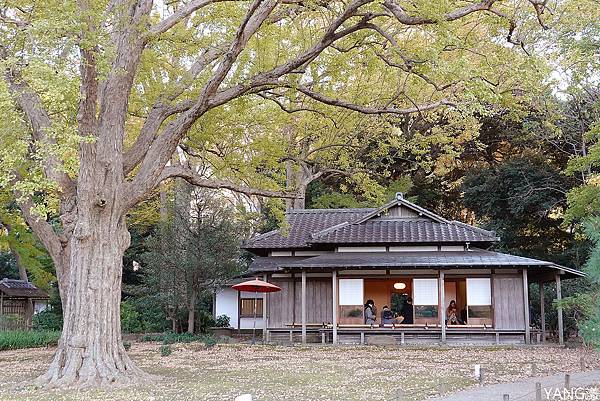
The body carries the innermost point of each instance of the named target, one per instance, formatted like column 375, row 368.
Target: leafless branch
column 195, row 179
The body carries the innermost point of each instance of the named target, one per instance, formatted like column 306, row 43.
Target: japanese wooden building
column 329, row 262
column 19, row 301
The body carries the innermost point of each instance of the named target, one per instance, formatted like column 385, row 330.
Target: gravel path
column 552, row 389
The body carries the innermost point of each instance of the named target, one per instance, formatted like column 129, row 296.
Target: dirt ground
column 223, row 372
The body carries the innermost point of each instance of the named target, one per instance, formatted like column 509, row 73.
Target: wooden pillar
column 303, row 306
column 239, row 312
column 441, row 308
column 561, row 334
column 334, row 287
column 542, row 312
column 264, row 311
column 526, row 306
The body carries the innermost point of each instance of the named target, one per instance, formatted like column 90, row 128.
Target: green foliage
column 204, row 321
column 165, row 350
column 523, row 199
column 27, row 339
column 222, row 321
column 127, row 345
column 130, row 319
column 47, row 320
column 336, row 200
column 586, row 306
column 191, row 255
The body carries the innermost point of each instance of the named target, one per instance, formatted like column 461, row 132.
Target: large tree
column 98, row 95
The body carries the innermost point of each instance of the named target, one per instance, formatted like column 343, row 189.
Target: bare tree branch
column 180, row 14
column 371, row 110
column 195, row 179
column 403, row 17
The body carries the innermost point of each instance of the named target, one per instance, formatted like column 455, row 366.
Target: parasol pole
column 254, row 321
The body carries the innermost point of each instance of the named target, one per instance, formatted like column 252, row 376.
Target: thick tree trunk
column 90, row 351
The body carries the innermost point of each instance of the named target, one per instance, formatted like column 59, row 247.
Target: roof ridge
column 329, row 229
column 476, row 229
column 337, row 210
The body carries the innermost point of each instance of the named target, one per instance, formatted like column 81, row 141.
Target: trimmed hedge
column 18, row 339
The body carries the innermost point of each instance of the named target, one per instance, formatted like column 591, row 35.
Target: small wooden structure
column 19, row 300
column 331, row 261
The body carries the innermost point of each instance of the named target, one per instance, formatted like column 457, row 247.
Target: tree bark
column 192, row 312
column 90, row 351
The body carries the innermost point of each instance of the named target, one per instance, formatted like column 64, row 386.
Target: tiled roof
column 403, row 231
column 302, row 224
column 474, row 258
column 20, row 288
column 348, row 226
column 270, row 263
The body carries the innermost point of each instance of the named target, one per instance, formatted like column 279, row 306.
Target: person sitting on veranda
column 387, row 316
column 452, row 314
column 370, row 312
column 407, row 312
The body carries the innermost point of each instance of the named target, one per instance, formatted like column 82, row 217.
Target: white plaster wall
column 226, row 303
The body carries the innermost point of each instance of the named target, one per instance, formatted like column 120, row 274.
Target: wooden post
column 264, row 311
column 526, row 306
column 441, row 309
column 542, row 312
column 334, row 287
column 561, row 334
column 402, row 338
column 538, row 391
column 362, row 338
column 567, row 381
column 303, row 306
column 323, row 338
column 239, row 313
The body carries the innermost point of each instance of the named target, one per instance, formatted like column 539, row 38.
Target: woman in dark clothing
column 407, row 312
column 370, row 312
column 387, row 316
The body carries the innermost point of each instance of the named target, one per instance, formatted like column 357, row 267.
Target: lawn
column 220, row 373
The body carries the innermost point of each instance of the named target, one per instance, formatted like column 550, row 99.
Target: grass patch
column 18, row 339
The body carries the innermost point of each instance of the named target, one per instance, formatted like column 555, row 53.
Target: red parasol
column 255, row 286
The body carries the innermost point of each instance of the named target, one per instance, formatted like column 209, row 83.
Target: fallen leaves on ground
column 322, row 373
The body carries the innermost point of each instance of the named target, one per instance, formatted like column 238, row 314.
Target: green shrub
column 27, row 339
column 204, row 321
column 165, row 350
column 130, row 318
column 126, row 345
column 222, row 321
column 47, row 320
column 209, row 340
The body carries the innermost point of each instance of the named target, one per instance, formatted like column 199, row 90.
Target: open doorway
column 456, row 290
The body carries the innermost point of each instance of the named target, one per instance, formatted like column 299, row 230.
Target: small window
column 247, row 307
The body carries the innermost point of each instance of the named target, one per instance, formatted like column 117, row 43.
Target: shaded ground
column 192, row 372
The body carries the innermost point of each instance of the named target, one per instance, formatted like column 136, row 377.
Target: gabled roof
column 397, row 222
column 302, row 223
column 402, row 232
column 20, row 289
